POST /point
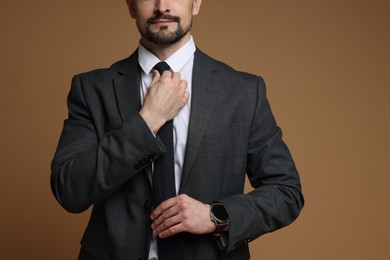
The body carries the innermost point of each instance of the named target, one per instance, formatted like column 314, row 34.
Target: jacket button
column 147, row 205
column 151, row 157
column 242, row 242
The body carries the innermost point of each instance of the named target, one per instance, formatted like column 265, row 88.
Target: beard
column 163, row 36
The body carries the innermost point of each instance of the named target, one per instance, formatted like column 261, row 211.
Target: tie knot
column 161, row 67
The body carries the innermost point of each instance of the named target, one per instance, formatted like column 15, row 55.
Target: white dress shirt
column 181, row 61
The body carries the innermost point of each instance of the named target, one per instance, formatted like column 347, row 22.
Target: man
column 112, row 146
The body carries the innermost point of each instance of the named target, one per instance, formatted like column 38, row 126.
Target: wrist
column 220, row 217
column 154, row 123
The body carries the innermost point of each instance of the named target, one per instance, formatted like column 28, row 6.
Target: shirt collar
column 176, row 61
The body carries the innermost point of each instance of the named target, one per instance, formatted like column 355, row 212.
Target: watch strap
column 219, row 216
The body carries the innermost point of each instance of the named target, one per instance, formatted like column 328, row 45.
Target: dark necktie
column 171, row 248
column 164, row 169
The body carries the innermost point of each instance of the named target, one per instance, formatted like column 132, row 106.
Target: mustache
column 163, row 16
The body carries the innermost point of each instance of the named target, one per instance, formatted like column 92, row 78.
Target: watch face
column 220, row 212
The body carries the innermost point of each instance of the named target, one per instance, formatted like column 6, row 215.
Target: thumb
column 156, row 77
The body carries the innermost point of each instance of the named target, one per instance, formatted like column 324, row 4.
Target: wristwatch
column 219, row 216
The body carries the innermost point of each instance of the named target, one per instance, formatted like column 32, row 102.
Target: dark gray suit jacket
column 105, row 153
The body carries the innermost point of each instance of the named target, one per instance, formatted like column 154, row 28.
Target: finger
column 168, row 214
column 165, row 205
column 166, row 224
column 183, row 85
column 156, row 77
column 167, row 74
column 186, row 97
column 171, row 231
column 176, row 76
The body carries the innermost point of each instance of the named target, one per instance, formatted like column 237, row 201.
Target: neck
column 164, row 51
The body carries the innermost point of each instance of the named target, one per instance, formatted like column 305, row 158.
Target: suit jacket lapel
column 127, row 86
column 205, row 85
column 127, row 91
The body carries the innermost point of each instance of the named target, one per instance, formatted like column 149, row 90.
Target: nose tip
column 162, row 7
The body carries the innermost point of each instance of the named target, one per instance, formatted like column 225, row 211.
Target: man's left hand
column 181, row 214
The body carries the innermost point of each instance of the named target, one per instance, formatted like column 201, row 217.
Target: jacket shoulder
column 224, row 69
column 117, row 68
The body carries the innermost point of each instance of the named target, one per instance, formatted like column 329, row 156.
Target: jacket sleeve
column 86, row 167
column 276, row 200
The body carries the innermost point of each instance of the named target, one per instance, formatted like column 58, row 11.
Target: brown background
column 326, row 64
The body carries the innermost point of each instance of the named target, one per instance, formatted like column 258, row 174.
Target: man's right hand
column 165, row 97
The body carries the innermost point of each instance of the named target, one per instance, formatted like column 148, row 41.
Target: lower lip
column 163, row 21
